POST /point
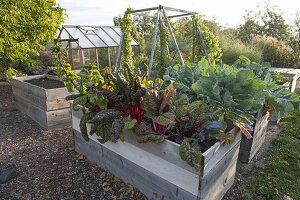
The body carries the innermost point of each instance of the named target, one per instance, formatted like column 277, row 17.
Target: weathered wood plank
column 35, row 113
column 36, row 100
column 166, row 150
column 57, row 104
column 57, row 93
column 215, row 183
column 249, row 147
column 53, row 117
column 28, row 88
column 157, row 179
column 216, row 153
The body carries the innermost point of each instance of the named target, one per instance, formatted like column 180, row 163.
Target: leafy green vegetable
column 82, row 125
column 189, row 152
column 235, row 94
column 151, row 138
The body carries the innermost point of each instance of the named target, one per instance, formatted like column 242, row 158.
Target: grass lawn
column 280, row 176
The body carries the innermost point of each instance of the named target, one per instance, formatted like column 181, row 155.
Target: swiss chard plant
column 156, row 103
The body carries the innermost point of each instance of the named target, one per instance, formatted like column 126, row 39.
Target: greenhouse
column 91, row 44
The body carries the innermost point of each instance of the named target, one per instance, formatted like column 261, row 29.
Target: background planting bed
column 249, row 147
column 157, row 169
column 47, row 107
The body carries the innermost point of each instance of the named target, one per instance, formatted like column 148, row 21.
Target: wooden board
column 35, row 113
column 249, row 147
column 58, row 118
column 158, row 176
column 220, row 178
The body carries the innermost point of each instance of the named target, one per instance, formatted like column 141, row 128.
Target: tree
column 294, row 41
column 249, row 29
column 268, row 23
column 25, row 27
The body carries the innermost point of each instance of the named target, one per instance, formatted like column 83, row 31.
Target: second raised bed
column 47, row 107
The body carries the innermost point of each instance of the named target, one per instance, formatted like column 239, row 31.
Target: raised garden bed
column 249, row 147
column 294, row 74
column 42, row 98
column 157, row 169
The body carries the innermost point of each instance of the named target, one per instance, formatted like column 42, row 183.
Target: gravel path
column 50, row 166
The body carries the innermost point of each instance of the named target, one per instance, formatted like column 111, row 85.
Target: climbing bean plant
column 161, row 57
column 205, row 41
column 127, row 27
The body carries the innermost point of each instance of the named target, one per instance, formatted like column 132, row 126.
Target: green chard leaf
column 189, row 152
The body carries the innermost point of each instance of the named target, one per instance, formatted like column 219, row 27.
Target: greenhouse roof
column 87, row 36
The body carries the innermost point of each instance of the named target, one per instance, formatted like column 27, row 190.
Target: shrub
column 234, row 47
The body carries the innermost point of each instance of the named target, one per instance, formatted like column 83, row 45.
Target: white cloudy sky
column 226, row 12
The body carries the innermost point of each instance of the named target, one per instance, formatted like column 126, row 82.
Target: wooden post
column 118, row 59
column 80, row 56
column 109, row 62
column 154, row 40
column 97, row 59
column 172, row 36
column 70, row 53
column 83, row 58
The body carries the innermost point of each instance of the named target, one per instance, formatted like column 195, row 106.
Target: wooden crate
column 47, row 107
column 249, row 147
column 157, row 169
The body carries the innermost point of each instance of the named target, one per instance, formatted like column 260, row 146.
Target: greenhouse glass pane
column 96, row 40
column 112, row 34
column 64, row 35
column 108, row 40
column 118, row 30
column 77, row 34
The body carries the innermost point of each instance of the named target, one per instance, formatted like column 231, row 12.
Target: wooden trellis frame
column 159, row 16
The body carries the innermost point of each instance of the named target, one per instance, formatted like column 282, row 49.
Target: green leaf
column 98, row 100
column 83, row 129
column 116, row 129
column 129, row 124
column 105, row 115
column 191, row 154
column 151, row 138
column 79, row 101
column 165, row 119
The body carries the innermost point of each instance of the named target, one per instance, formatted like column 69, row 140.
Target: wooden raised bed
column 157, row 169
column 47, row 107
column 289, row 72
column 249, row 147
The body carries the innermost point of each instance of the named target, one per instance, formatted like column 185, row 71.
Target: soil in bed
column 46, row 83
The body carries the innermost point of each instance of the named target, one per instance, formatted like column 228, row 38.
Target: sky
column 227, row 13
